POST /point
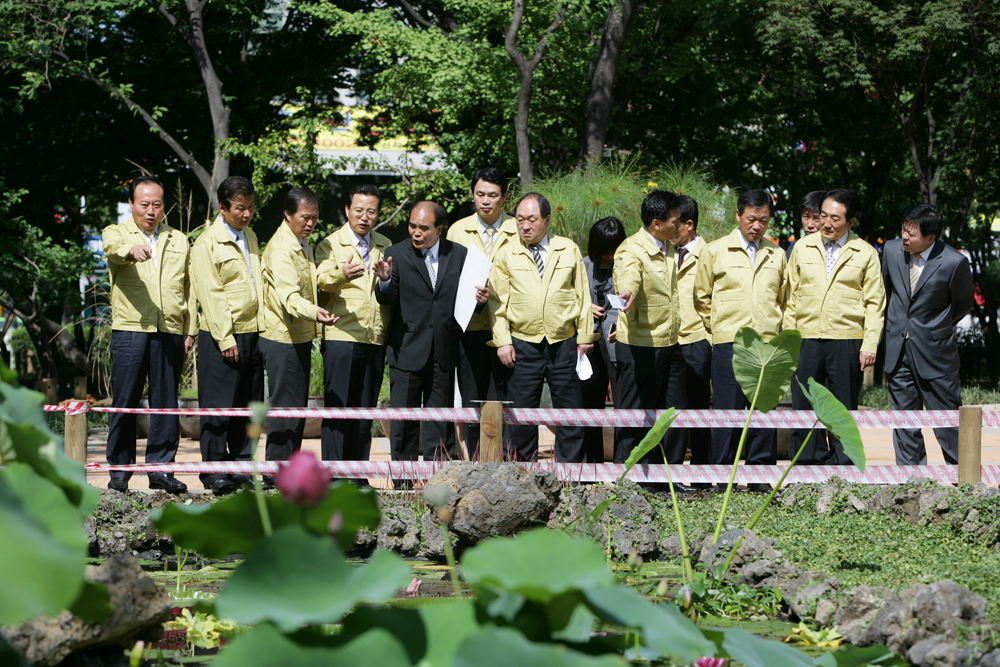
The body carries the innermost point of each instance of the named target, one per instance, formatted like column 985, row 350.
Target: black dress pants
column 595, row 393
column 536, row 363
column 136, row 355
column 478, row 364
column 835, row 364
column 909, row 391
column 352, row 378
column 433, row 387
column 698, row 380
column 288, row 366
column 223, row 384
column 652, row 378
column 761, row 445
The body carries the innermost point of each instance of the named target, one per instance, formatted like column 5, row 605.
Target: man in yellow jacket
column 741, row 281
column 354, row 350
column 290, row 317
column 152, row 329
column 542, row 321
column 225, row 274
column 836, row 300
column 694, row 341
column 489, row 229
column 650, row 365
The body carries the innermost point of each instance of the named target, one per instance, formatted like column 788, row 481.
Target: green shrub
column 616, row 187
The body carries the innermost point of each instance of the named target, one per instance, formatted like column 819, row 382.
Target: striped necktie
column 431, row 269
column 914, row 270
column 491, row 237
column 536, row 252
column 363, row 249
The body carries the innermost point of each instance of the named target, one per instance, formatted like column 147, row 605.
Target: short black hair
column 366, row 189
column 234, row 186
column 296, row 197
column 847, row 198
column 139, row 180
column 543, row 204
column 440, row 215
column 689, row 210
column 812, row 201
column 755, row 198
column 490, row 175
column 927, row 217
column 605, row 236
column 657, row 206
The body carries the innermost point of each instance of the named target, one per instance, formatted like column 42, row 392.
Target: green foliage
column 764, row 370
column 498, row 647
column 652, row 439
column 838, row 421
column 44, row 499
column 295, row 577
column 233, row 525
column 265, row 646
column 725, row 599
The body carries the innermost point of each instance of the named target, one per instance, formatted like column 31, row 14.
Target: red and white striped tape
column 587, row 472
column 866, row 419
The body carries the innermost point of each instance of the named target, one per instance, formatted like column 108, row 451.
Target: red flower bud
column 303, row 480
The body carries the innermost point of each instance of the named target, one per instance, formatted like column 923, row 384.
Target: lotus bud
column 336, row 523
column 661, row 588
column 685, row 595
column 303, row 480
column 633, row 557
column 444, row 515
column 710, row 662
column 135, row 657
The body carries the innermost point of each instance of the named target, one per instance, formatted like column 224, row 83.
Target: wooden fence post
column 491, row 432
column 75, row 433
column 970, row 444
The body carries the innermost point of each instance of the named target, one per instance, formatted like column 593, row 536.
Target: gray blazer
column 943, row 296
column 610, row 319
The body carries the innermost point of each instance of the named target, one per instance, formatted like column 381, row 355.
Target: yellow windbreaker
column 849, row 305
column 642, row 269
column 466, row 232
column 289, row 278
column 153, row 295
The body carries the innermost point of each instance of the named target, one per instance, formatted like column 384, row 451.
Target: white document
column 615, row 301
column 583, row 368
column 475, row 271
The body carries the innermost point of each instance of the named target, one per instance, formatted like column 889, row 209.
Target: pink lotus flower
column 710, row 662
column 303, row 480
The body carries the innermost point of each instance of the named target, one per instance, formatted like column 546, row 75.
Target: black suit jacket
column 423, row 320
column 943, row 296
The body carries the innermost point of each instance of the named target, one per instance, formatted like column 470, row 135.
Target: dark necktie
column 681, row 255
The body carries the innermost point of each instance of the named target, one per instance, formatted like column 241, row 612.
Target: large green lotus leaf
column 295, row 577
column 538, row 564
column 769, row 365
column 860, row 656
column 664, row 629
column 837, row 419
column 45, row 547
column 752, row 651
column 26, row 438
column 651, row 440
column 265, row 646
column 448, row 625
column 232, row 525
column 503, row 647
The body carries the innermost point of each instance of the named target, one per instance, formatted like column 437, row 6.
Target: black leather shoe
column 267, row 483
column 223, row 486
column 759, row 488
column 242, row 481
column 168, row 484
column 118, row 485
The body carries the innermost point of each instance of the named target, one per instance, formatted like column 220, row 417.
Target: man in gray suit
column 929, row 288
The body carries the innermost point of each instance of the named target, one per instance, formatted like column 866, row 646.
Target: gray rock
column 632, row 536
column 824, row 611
column 803, row 593
column 490, row 499
column 750, row 549
column 936, row 651
column 138, row 605
column 854, row 503
column 670, row 547
column 764, row 572
column 990, row 659
column 629, row 518
column 827, row 494
column 122, row 523
column 364, row 544
column 432, row 544
column 398, row 530
column 857, row 609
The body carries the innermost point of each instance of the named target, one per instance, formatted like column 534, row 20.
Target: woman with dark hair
column 605, row 237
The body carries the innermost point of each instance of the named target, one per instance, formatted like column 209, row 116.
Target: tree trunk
column 527, row 70
column 599, row 101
